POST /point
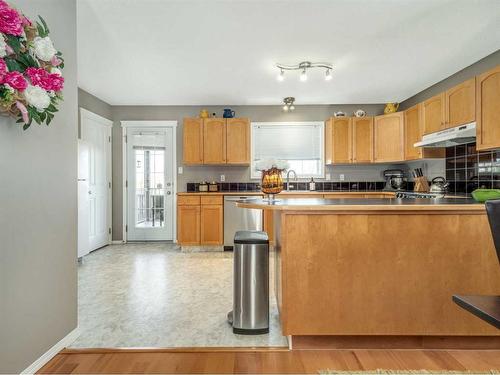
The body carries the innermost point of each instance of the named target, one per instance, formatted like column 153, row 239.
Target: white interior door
column 150, row 199
column 96, row 133
column 83, row 199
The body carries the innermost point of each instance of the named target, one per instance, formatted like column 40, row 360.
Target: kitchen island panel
column 383, row 273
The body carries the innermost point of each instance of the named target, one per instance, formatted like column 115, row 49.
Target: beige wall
column 471, row 71
column 93, row 104
column 38, row 213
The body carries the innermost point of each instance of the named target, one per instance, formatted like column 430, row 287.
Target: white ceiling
column 214, row 52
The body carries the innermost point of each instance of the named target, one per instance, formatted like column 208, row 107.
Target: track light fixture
column 289, row 104
column 303, row 66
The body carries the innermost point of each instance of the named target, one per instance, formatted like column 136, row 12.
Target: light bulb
column 285, row 108
column 292, row 107
column 281, row 76
column 328, row 75
column 303, row 75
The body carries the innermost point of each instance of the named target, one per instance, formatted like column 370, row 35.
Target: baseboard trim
column 51, row 353
column 117, row 242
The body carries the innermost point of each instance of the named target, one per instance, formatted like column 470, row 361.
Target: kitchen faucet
column 288, row 178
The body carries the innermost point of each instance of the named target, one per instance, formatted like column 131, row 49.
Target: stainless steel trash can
column 250, row 315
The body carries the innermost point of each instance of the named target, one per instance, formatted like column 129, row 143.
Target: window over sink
column 299, row 143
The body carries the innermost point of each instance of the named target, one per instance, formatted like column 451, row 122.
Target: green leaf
column 50, row 116
column 52, row 108
column 43, row 115
column 47, row 31
column 26, row 126
column 13, row 65
column 14, row 42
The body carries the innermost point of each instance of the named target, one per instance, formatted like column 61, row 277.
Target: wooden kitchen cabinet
column 338, row 140
column 388, row 137
column 433, row 112
column 413, row 132
column 488, row 109
column 460, row 104
column 192, row 141
column 188, row 225
column 362, row 139
column 212, row 224
column 214, row 141
column 238, row 141
column 200, row 220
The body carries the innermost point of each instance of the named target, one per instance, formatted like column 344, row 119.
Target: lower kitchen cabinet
column 188, row 225
column 200, row 220
column 212, row 225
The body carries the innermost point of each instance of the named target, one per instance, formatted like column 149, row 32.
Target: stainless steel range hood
column 450, row 137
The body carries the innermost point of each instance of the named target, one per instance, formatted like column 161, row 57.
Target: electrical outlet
column 342, row 177
column 222, row 178
column 180, row 170
column 328, row 177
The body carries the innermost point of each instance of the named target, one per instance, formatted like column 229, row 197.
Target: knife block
column 421, row 185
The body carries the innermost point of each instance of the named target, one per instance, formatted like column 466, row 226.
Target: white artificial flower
column 3, row 46
column 37, row 97
column 8, row 87
column 43, row 48
column 55, row 70
column 51, row 93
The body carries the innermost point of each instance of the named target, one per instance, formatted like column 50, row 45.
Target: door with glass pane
column 150, row 184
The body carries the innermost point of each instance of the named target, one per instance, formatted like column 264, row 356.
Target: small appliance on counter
column 394, row 180
column 439, row 185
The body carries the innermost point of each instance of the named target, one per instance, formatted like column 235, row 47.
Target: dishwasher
column 236, row 218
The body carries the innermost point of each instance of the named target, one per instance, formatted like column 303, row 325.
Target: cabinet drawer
column 211, row 200
column 188, row 201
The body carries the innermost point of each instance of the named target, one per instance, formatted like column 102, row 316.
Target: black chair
column 486, row 308
column 493, row 210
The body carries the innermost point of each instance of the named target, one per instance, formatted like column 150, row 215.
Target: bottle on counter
column 312, row 185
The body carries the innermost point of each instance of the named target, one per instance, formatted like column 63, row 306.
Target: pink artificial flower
column 24, row 111
column 55, row 61
column 9, row 49
column 3, row 4
column 49, row 82
column 16, row 81
column 3, row 70
column 10, row 21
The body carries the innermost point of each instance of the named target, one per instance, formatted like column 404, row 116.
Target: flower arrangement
column 31, row 81
column 267, row 164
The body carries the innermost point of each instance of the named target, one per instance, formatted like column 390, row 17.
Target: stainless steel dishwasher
column 236, row 218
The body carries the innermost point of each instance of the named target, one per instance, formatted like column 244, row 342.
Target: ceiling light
column 328, row 75
column 303, row 75
column 281, row 76
column 303, row 67
column 285, row 108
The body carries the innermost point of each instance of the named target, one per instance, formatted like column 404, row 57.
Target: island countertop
column 365, row 204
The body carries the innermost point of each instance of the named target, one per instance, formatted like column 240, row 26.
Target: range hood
column 450, row 137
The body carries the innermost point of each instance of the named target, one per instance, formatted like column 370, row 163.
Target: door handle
column 168, row 192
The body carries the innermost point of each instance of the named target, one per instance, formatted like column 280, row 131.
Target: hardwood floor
column 244, row 361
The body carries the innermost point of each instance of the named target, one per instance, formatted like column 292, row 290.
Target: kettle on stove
column 439, row 185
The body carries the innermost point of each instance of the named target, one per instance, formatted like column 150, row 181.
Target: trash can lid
column 251, row 237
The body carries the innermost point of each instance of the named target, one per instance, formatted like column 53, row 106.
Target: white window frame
column 256, row 175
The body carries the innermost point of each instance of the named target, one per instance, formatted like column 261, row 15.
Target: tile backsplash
column 468, row 169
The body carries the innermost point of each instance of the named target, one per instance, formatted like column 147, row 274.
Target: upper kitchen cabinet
column 362, row 139
column 388, row 137
column 214, row 141
column 238, row 141
column 461, row 104
column 413, row 132
column 433, row 112
column 488, row 109
column 338, row 140
column 193, row 141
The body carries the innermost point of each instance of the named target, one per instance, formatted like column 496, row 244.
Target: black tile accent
column 336, row 186
column 380, row 185
column 319, row 186
column 233, row 186
column 191, row 187
column 353, row 186
column 327, row 186
column 450, row 152
column 224, row 186
column 460, row 150
column 362, row 186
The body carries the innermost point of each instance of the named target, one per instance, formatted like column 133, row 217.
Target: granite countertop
column 365, row 204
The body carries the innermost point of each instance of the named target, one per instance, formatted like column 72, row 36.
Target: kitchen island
column 382, row 272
